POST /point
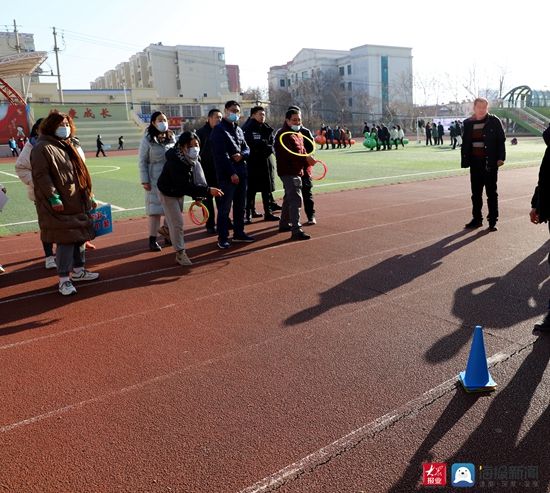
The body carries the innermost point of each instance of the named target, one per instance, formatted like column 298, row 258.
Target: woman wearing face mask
column 156, row 141
column 24, row 171
column 63, row 194
column 182, row 175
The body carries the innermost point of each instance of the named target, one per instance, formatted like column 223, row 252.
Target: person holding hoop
column 181, row 175
column 292, row 158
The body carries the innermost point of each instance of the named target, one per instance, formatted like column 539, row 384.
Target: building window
column 349, row 86
column 343, row 86
column 341, row 70
column 221, row 57
column 349, row 69
column 304, row 75
column 288, row 82
column 282, row 83
column 350, row 102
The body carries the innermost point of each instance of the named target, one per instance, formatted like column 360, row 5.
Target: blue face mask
column 162, row 126
column 233, row 117
column 63, row 132
column 296, row 128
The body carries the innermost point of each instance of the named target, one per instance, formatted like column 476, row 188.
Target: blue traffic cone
column 477, row 378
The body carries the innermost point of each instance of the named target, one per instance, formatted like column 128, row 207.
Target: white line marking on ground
column 83, row 327
column 9, row 174
column 354, row 438
column 198, row 261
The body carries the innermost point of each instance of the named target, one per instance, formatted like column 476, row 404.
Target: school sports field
column 116, row 178
column 322, row 366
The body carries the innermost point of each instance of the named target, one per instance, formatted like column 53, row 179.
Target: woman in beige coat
column 63, row 193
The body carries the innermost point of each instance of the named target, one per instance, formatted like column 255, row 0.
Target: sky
column 450, row 40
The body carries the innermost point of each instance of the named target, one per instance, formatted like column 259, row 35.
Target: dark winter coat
column 207, row 156
column 228, row 139
column 261, row 172
column 494, row 138
column 53, row 173
column 289, row 164
column 541, row 197
column 176, row 179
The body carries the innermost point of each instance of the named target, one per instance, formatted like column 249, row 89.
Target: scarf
column 199, row 179
column 83, row 177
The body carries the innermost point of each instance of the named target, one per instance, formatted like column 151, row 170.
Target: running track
column 275, row 364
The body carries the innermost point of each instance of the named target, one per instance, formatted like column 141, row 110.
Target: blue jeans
column 232, row 195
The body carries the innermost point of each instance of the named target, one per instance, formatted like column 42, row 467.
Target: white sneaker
column 66, row 288
column 84, row 275
column 2, row 270
column 50, row 263
column 182, row 258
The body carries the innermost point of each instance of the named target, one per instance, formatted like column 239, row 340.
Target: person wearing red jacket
column 292, row 158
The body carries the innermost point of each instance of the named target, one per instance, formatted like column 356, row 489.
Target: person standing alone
column 483, row 151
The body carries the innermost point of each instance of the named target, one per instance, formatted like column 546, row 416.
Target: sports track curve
column 208, row 379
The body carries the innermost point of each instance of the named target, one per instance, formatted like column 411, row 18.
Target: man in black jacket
column 540, row 209
column 207, row 162
column 230, row 152
column 483, row 151
column 260, row 164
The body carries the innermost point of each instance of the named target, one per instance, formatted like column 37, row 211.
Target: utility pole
column 56, row 49
column 18, row 49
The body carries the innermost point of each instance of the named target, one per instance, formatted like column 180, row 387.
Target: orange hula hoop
column 194, row 218
column 322, row 175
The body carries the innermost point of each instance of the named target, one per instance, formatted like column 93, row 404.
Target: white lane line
column 198, row 261
column 9, row 174
column 114, row 208
column 351, row 440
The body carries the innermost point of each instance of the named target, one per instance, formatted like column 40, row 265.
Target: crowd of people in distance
column 380, row 137
column 338, row 137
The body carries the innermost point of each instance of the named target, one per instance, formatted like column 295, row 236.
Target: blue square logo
column 463, row 475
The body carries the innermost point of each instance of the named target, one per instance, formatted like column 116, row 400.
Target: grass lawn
column 116, row 179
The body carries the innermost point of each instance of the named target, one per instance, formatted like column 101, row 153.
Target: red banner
column 13, row 122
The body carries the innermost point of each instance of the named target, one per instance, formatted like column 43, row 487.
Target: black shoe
column 167, row 242
column 211, row 230
column 284, row 228
column 153, row 245
column 544, row 325
column 275, row 207
column 299, row 235
column 493, row 226
column 257, row 214
column 474, row 223
column 247, row 221
column 243, row 239
column 271, row 217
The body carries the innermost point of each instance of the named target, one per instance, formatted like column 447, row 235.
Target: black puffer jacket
column 176, row 179
column 541, row 197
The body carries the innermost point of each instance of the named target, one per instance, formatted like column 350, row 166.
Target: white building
column 368, row 80
column 189, row 72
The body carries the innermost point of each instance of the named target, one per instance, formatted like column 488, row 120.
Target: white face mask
column 193, row 153
column 63, row 132
column 162, row 126
column 296, row 128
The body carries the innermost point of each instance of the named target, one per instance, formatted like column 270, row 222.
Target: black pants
column 307, row 196
column 100, row 149
column 209, row 204
column 251, row 202
column 481, row 177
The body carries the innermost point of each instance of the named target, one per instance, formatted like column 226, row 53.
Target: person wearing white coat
column 154, row 144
